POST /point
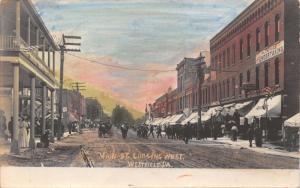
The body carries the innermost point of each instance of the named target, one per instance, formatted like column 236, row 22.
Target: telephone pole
column 77, row 86
column 200, row 75
column 64, row 47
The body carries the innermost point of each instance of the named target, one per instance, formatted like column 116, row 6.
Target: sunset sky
column 139, row 34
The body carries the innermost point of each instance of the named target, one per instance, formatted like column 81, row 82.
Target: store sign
column 270, row 52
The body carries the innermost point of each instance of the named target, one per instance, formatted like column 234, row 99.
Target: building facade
column 260, row 48
column 27, row 63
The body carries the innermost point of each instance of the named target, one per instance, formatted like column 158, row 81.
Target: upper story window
column 224, row 59
column 266, row 74
column 241, row 82
column 276, row 71
column 228, row 57
column 241, row 49
column 267, row 33
column 233, row 86
column 277, row 28
column 220, row 63
column 248, row 76
column 257, row 77
column 233, row 54
column 248, row 44
column 257, row 39
column 228, row 86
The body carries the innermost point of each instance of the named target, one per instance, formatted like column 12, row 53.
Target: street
column 133, row 152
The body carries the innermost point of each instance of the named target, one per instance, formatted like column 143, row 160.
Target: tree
column 120, row 115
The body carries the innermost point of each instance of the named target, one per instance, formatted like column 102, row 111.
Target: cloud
column 146, row 34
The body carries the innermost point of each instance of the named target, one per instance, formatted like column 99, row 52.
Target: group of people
column 23, row 130
column 145, row 131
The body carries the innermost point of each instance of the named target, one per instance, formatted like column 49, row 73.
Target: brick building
column 259, row 47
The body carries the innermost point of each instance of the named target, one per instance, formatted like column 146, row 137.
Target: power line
column 121, row 67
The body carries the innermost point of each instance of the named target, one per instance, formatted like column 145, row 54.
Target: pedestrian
column 70, row 127
column 22, row 133
column 10, row 128
column 250, row 135
column 215, row 131
column 234, row 131
column 158, row 131
column 151, row 131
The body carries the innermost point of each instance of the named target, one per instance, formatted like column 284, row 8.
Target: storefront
column 268, row 113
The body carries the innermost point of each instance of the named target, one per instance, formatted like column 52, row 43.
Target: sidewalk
column 266, row 148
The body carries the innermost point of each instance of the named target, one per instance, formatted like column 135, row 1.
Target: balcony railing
column 11, row 43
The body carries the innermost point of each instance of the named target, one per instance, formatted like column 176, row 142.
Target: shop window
column 266, row 74
column 267, row 34
column 276, row 71
column 277, row 28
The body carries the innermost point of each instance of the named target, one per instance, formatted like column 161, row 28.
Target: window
column 219, row 64
column 228, row 57
column 266, row 74
column 241, row 82
column 257, row 77
column 277, row 28
column 224, row 59
column 233, row 86
column 276, row 71
column 233, row 54
column 248, row 44
column 267, row 34
column 223, row 90
column 257, row 39
column 220, row 91
column 228, row 86
column 248, row 76
column 241, row 49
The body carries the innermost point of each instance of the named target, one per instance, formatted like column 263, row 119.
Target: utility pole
column 200, row 75
column 64, row 48
column 77, row 86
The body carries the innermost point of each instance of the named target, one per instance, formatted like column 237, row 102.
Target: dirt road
column 133, row 152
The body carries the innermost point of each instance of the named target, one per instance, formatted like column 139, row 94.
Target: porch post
column 49, row 57
column 53, row 61
column 52, row 114
column 28, row 32
column 43, row 47
column 32, row 113
column 44, row 103
column 16, row 88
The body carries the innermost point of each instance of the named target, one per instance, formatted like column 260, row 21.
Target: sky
column 137, row 34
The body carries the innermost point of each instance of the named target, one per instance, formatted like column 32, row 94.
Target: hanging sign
column 270, row 52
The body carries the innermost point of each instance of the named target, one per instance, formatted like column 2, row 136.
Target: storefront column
column 16, row 88
column 52, row 114
column 32, row 113
column 44, row 104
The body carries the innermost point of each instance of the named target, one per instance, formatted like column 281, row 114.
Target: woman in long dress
column 23, row 133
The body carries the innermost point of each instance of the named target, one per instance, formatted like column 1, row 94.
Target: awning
column 166, row 120
column 242, row 108
column 193, row 116
column 228, row 109
column 148, row 122
column 210, row 112
column 274, row 108
column 156, row 121
column 294, row 121
column 176, row 119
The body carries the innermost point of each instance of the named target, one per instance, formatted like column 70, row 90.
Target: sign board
column 65, row 109
column 249, row 87
column 270, row 52
column 242, row 121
